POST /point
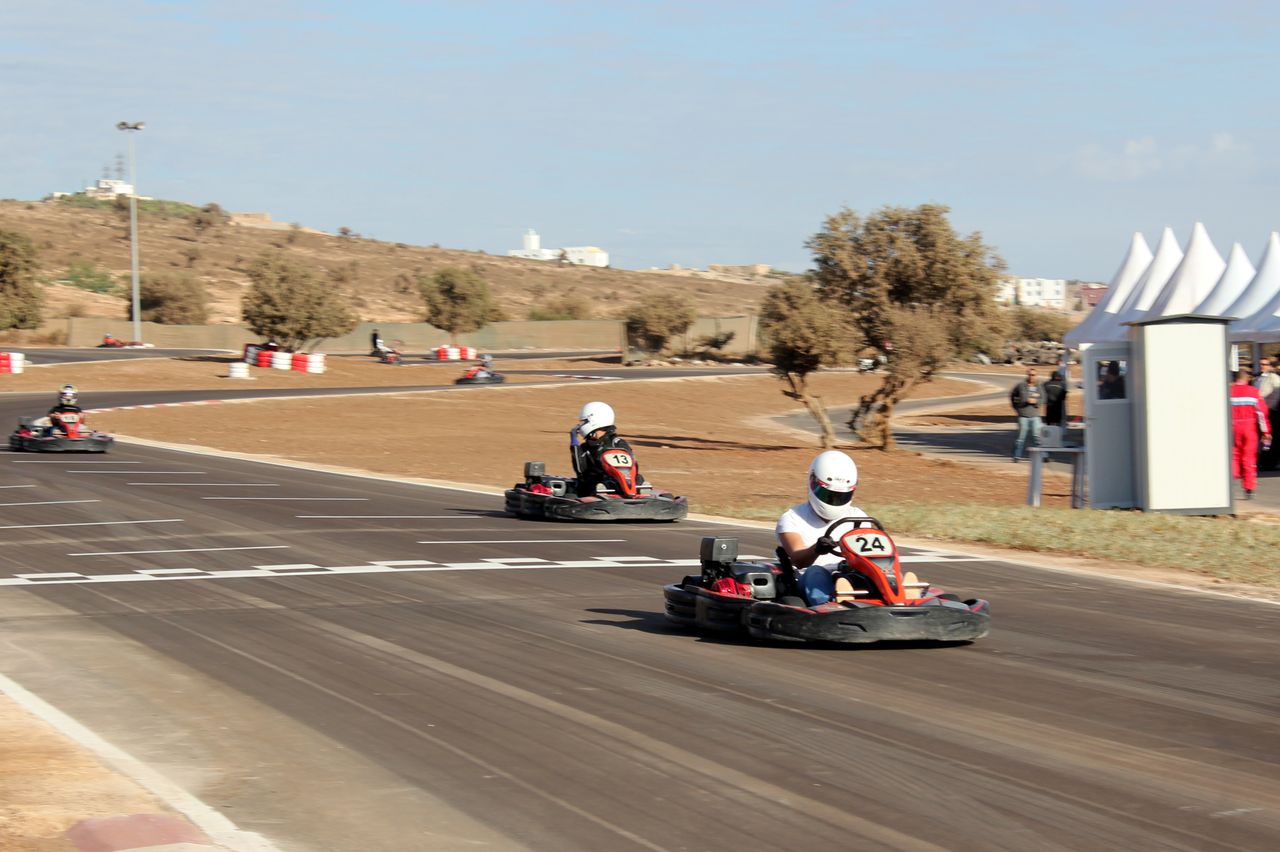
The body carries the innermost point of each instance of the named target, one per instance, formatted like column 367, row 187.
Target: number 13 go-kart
column 875, row 600
column 543, row 496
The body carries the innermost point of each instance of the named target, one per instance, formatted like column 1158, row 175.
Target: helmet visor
column 829, row 496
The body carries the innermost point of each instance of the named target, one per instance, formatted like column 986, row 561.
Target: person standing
column 1268, row 385
column 1026, row 398
column 1055, row 400
column 1249, row 416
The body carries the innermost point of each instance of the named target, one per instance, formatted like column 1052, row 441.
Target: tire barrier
column 251, row 351
column 313, row 363
column 262, row 358
column 281, row 360
column 303, row 362
column 455, row 353
column 12, row 362
column 237, row 370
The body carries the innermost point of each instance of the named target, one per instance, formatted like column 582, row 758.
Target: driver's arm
column 800, row 556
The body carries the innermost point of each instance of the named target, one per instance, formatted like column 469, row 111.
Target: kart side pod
column 719, row 563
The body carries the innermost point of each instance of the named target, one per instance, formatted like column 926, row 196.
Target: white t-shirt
column 802, row 519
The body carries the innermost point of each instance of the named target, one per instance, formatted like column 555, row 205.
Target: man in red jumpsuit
column 1248, row 418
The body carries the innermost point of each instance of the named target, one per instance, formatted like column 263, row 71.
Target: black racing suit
column 55, row 415
column 587, row 464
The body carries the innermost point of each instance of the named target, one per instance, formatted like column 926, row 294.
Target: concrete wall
column 418, row 337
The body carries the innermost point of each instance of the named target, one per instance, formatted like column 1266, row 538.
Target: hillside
column 219, row 255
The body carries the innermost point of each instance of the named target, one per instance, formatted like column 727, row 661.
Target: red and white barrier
column 12, row 362
column 281, row 360
column 455, row 353
column 303, row 362
column 311, row 362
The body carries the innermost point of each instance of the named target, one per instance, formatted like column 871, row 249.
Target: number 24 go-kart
column 875, row 600
column 39, row 435
column 543, row 496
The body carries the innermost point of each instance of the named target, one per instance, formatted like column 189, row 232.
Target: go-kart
column 543, row 496
column 480, row 376
column 38, row 434
column 875, row 600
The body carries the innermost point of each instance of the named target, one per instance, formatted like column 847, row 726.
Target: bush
column 172, row 300
column 564, row 307
column 458, row 300
column 288, row 303
column 20, row 296
column 89, row 277
column 657, row 317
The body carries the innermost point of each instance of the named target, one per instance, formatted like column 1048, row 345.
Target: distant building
column 104, row 188
column 1091, row 294
column 578, row 255
column 1033, row 292
column 746, row 270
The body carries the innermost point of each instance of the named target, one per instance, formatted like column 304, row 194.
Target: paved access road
column 63, row 355
column 341, row 663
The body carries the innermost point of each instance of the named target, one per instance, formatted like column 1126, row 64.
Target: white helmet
column 67, row 395
column 594, row 415
column 833, row 477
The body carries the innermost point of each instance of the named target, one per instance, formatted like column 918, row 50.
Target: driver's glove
column 825, row 544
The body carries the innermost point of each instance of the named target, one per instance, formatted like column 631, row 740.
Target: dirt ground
column 710, row 438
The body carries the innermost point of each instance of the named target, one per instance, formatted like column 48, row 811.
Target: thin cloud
column 1144, row 157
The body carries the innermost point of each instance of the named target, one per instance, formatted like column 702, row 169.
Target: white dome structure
column 1135, row 262
column 1167, row 257
column 1260, row 291
column 1235, row 278
column 1193, row 280
column 1262, row 325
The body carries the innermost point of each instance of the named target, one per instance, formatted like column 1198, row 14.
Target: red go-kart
column 543, row 496
column 41, row 435
column 875, row 600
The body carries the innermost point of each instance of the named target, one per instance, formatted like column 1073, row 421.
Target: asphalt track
column 341, row 663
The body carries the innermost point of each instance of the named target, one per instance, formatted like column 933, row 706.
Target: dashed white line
column 17, row 486
column 330, row 499
column 522, row 540
column 147, row 472
column 413, row 517
column 90, row 524
column 77, row 461
column 211, row 484
column 180, row 550
column 49, row 502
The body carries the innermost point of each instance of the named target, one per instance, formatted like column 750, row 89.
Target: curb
column 138, row 832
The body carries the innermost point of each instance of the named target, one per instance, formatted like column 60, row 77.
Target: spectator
column 1268, row 385
column 1249, row 416
column 1112, row 384
column 1026, row 398
column 1055, row 400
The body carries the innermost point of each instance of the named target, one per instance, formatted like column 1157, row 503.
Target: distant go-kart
column 875, row 600
column 479, row 375
column 543, row 496
column 38, row 434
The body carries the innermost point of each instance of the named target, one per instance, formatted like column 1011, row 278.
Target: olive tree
column 917, row 291
column 293, row 305
column 657, row 317
column 20, row 296
column 458, row 300
column 172, row 300
column 803, row 332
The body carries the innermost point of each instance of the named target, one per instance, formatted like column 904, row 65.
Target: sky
column 687, row 133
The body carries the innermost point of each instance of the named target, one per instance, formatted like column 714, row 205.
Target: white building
column 1033, row 292
column 578, row 255
column 104, row 188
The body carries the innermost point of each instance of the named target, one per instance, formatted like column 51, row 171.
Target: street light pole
column 133, row 228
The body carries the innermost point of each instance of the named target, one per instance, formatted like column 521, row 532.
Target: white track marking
column 17, row 486
column 414, row 517
column 50, row 502
column 90, row 524
column 78, row 461
column 523, row 541
column 208, row 484
column 181, row 550
column 208, row 819
column 147, row 472
column 329, row 499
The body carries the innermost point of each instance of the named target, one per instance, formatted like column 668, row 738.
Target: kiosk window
column 1111, row 379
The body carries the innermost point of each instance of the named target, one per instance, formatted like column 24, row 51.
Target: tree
column 172, row 300
column 804, row 333
column 458, row 300
column 564, row 307
column 919, row 292
column 290, row 304
column 20, row 296
column 658, row 316
column 1039, row 324
column 207, row 217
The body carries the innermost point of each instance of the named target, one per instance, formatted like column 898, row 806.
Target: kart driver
column 598, row 433
column 483, row 370
column 833, row 477
column 68, row 403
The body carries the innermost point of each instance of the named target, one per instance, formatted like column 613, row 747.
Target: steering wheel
column 857, row 522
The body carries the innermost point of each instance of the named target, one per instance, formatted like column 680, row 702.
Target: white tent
column 1167, row 257
column 1193, row 280
column 1135, row 262
column 1249, row 306
column 1238, row 274
column 1262, row 325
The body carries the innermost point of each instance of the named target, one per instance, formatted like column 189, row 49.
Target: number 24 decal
column 872, row 545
